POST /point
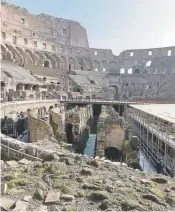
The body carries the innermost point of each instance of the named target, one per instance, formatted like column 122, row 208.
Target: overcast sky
column 115, row 24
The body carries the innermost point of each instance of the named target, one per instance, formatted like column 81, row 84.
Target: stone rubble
column 82, row 185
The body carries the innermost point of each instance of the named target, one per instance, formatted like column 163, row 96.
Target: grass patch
column 17, row 182
column 69, row 209
column 20, row 170
column 154, row 190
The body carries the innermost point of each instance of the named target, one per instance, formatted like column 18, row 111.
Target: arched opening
column 114, row 91
column 35, row 88
column 122, row 71
column 50, row 108
column 46, row 64
column 64, row 63
column 104, row 69
column 72, row 63
column 75, row 89
column 113, row 67
column 96, row 69
column 130, row 71
column 2, row 84
column 52, row 60
column 97, row 65
column 148, row 63
column 113, row 154
column 27, row 87
column 137, row 71
column 169, row 53
column 19, row 87
column 69, row 133
column 92, row 82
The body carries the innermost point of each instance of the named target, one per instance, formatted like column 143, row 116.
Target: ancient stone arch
column 97, row 65
column 6, row 54
column 30, row 58
column 122, row 71
column 82, row 64
column 104, row 65
column 58, row 60
column 35, row 88
column 64, row 65
column 47, row 64
column 17, row 56
column 19, row 87
column 73, row 62
column 52, row 60
column 89, row 63
column 113, row 66
column 114, row 90
column 137, row 71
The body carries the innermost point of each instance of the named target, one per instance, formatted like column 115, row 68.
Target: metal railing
column 18, row 152
column 99, row 100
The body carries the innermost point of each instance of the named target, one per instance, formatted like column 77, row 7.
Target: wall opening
column 19, row 87
column 95, row 53
column 137, row 71
column 25, row 41
column 169, row 52
column 104, row 69
column 114, row 90
column 3, row 35
column 148, row 63
column 69, row 133
column 22, row 21
column 64, row 31
column 14, row 40
column 36, row 88
column 44, row 45
column 113, row 154
column 92, row 82
column 53, row 48
column 130, row 71
column 27, row 87
column 75, row 89
column 150, row 53
column 35, row 43
column 131, row 54
column 46, row 64
column 96, row 69
column 122, row 71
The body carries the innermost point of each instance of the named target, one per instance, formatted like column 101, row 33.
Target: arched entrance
column 113, row 91
column 113, row 154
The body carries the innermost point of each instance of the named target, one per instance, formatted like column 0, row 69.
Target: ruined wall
column 23, row 106
column 78, row 117
column 38, row 129
column 18, row 21
column 110, row 132
column 57, row 122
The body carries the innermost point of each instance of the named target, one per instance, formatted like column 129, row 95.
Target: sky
column 115, row 24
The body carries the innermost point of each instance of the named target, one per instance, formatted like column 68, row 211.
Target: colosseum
column 59, row 95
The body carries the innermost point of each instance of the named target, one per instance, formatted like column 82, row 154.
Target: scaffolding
column 156, row 137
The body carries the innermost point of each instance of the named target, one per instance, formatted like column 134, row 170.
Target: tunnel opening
column 89, row 143
column 96, row 111
column 113, row 154
column 119, row 109
column 69, row 133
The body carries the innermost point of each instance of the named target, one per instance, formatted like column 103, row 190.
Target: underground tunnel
column 113, row 154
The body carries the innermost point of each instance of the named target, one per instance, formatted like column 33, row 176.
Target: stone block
column 52, row 197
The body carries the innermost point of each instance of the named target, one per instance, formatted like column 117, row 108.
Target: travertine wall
column 38, row 129
column 110, row 131
column 23, row 106
column 19, row 22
